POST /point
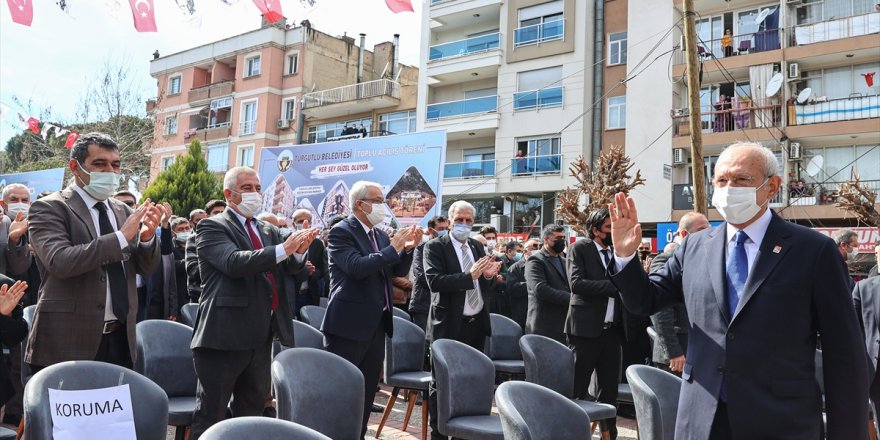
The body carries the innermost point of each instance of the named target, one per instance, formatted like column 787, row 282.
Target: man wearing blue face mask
column 438, row 226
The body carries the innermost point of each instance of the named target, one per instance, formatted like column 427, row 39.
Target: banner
column 666, row 233
column 38, row 181
column 318, row 177
column 867, row 237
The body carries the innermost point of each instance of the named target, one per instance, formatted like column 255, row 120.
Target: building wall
column 615, row 21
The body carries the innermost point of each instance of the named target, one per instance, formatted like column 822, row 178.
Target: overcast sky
column 51, row 61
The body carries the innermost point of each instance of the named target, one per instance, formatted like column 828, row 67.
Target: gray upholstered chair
column 323, row 301
column 465, row 381
column 305, row 335
column 400, row 313
column 532, row 412
column 656, row 399
column 312, row 315
column 149, row 402
column 188, row 314
column 503, row 346
column 262, row 428
column 164, row 356
column 319, row 390
column 26, row 371
column 551, row 364
column 7, row 434
column 404, row 356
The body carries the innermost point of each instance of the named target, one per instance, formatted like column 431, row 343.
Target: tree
column 186, row 184
column 860, row 201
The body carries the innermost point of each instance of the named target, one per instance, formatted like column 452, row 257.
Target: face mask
column 442, row 233
column 285, row 231
column 518, row 256
column 426, row 238
column 737, row 204
column 298, row 226
column 678, row 239
column 377, row 214
column 183, row 236
column 461, row 232
column 250, row 204
column 15, row 208
column 558, row 245
column 850, row 256
column 490, row 244
column 101, row 185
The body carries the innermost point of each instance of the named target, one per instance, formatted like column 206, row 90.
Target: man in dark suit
column 243, row 307
column 13, row 329
column 515, row 284
column 310, row 279
column 759, row 292
column 193, row 277
column 420, row 302
column 547, row 281
column 362, row 262
column 866, row 297
column 89, row 247
column 181, row 228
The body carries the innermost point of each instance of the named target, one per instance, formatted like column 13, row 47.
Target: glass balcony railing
column 835, row 29
column 464, row 170
column 536, row 165
column 464, row 107
column 539, row 33
column 742, row 44
column 468, row 46
column 532, row 99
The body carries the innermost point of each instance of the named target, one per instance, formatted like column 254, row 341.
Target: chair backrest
column 26, row 371
column 465, row 381
column 548, row 363
column 324, row 301
column 149, row 402
column 653, row 337
column 405, row 351
column 29, row 313
column 260, row 428
column 400, row 313
column 504, row 342
column 745, row 44
column 319, row 390
column 655, row 393
column 532, row 412
column 306, row 336
column 312, row 315
column 188, row 314
column 164, row 356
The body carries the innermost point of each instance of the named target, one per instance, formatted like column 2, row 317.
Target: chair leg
column 409, row 407
column 872, row 431
column 593, row 426
column 180, row 433
column 425, row 417
column 388, row 407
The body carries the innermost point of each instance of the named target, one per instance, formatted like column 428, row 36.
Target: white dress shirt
column 609, row 309
column 468, row 310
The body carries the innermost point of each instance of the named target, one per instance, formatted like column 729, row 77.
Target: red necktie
column 255, row 241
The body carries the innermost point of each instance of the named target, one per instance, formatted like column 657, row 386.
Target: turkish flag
column 22, row 11
column 143, row 14
column 71, row 139
column 398, row 6
column 34, row 125
column 271, row 10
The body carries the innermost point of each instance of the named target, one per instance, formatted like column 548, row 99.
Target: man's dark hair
column 436, row 219
column 488, row 230
column 196, row 212
column 335, row 220
column 125, row 193
column 595, row 220
column 550, row 230
column 213, row 204
column 510, row 245
column 80, row 149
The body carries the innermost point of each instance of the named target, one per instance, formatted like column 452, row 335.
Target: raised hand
column 18, row 227
column 166, row 218
column 398, row 241
column 311, row 233
column 133, row 223
column 151, row 221
column 626, row 232
column 10, row 296
column 479, row 266
column 415, row 237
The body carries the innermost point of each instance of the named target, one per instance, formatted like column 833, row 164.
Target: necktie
column 473, row 299
column 376, row 249
column 115, row 271
column 737, row 271
column 609, row 261
column 255, row 241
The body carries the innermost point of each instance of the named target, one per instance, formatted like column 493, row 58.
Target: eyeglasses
column 373, row 201
column 742, row 180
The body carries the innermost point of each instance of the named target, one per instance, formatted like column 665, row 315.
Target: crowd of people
column 739, row 310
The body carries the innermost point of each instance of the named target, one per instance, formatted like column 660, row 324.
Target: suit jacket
column 4, row 239
column 161, row 285
column 180, row 276
column 866, row 297
column 193, row 277
column 71, row 257
column 235, row 309
column 766, row 350
column 671, row 324
column 23, row 266
column 316, row 279
column 449, row 286
column 590, row 291
column 515, row 282
column 359, row 280
column 420, row 302
column 13, row 329
column 549, row 296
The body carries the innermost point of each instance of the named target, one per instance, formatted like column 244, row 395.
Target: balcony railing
column 354, row 92
column 845, row 27
column 532, row 99
column 536, row 165
column 539, row 33
column 247, row 127
column 213, row 90
column 730, row 116
column 853, row 107
column 468, row 46
column 740, row 45
column 224, row 124
column 464, row 107
column 464, row 170
column 824, row 193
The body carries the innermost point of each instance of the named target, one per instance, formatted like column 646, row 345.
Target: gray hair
column 231, row 177
column 267, row 217
column 460, row 205
column 195, row 212
column 843, row 236
column 13, row 186
column 687, row 221
column 301, row 211
column 359, row 191
column 771, row 164
column 178, row 221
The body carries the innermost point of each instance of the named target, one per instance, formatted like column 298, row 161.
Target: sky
column 51, row 62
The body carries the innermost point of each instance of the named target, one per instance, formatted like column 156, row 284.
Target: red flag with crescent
column 271, row 10
column 144, row 15
column 34, row 125
column 71, row 139
column 22, row 11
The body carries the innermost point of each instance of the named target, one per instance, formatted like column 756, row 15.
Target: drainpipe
column 598, row 78
column 395, row 48
column 300, row 122
column 360, row 77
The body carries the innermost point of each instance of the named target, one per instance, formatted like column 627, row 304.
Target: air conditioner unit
column 679, row 156
column 283, row 124
column 794, row 150
column 794, row 71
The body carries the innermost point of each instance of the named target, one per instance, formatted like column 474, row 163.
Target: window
column 538, row 88
column 617, row 48
column 842, row 162
column 616, row 112
column 174, row 85
column 221, row 113
column 166, row 162
column 478, row 162
column 170, row 125
column 218, row 157
column 840, row 82
column 288, row 109
column 320, row 133
column 537, row 156
column 540, row 23
column 252, row 66
column 398, row 123
column 248, row 123
column 245, row 156
column 292, row 63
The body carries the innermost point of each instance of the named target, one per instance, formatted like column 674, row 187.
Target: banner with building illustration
column 37, row 181
column 318, row 177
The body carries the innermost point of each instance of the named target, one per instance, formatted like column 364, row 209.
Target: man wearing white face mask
column 760, row 292
column 848, row 245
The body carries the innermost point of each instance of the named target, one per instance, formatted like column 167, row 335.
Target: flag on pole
column 143, row 14
column 271, row 10
column 22, row 11
column 34, row 125
column 398, row 6
column 71, row 139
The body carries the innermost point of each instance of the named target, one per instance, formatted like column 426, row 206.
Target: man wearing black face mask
column 547, row 283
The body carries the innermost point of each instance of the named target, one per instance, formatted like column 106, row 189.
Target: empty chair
column 533, row 412
column 404, row 355
column 312, row 315
column 744, row 46
column 188, row 314
column 400, row 313
column 149, row 403
column 164, row 356
column 26, row 372
column 260, row 428
column 319, row 390
column 465, row 381
column 503, row 346
column 305, row 335
column 656, row 399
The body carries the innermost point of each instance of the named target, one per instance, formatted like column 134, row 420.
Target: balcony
column 824, row 193
column 536, row 99
column 851, row 108
column 468, row 46
column 845, row 27
column 464, row 107
column 744, row 44
column 468, row 170
column 355, row 98
column 730, row 116
column 539, row 33
column 200, row 96
column 536, row 165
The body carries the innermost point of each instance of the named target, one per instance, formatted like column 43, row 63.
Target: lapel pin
column 777, row 249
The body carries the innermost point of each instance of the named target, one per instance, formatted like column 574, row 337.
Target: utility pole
column 693, row 89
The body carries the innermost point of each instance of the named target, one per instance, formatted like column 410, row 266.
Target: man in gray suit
column 866, row 297
column 549, row 291
column 89, row 247
column 243, row 305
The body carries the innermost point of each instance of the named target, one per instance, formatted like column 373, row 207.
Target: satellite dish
column 815, row 165
column 804, row 95
column 775, row 84
column 761, row 16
